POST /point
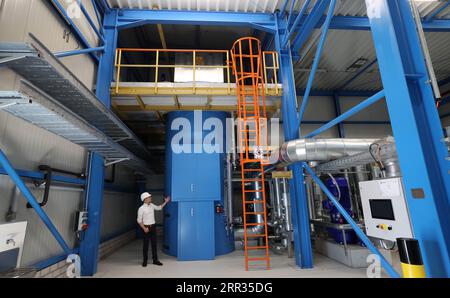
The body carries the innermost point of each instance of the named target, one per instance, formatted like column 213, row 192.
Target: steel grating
column 387, row 152
column 40, row 67
column 33, row 105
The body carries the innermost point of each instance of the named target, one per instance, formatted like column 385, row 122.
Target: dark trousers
column 150, row 236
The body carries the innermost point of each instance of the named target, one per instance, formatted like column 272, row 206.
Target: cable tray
column 39, row 66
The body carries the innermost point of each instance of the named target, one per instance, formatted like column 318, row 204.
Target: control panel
column 385, row 210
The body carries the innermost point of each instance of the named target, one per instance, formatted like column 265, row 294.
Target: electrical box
column 12, row 237
column 385, row 210
column 81, row 219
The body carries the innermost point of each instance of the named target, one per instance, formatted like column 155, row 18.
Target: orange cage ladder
column 247, row 65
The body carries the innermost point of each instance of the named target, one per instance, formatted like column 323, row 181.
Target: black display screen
column 382, row 209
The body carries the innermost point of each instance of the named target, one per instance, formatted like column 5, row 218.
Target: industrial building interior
column 295, row 138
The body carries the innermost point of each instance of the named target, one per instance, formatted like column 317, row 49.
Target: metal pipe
column 296, row 22
column 32, row 200
column 287, row 206
column 356, row 109
column 278, row 212
column 321, row 149
column 91, row 22
column 79, row 52
column 388, row 267
column 229, row 190
column 14, row 205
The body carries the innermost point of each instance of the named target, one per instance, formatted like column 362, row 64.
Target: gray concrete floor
column 126, row 263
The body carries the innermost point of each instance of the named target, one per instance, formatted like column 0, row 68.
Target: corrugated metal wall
column 28, row 146
column 377, row 112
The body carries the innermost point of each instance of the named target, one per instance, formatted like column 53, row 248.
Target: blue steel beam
column 346, row 93
column 91, row 21
column 369, row 122
column 316, row 61
column 386, row 265
column 417, row 129
column 312, row 21
column 79, row 52
column 4, row 162
column 292, row 29
column 41, row 176
column 356, row 109
column 431, row 16
column 80, row 36
column 94, row 194
column 129, row 18
column 299, row 203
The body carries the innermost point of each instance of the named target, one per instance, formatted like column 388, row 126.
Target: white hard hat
column 145, row 195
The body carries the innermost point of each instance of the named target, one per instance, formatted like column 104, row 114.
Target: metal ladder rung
column 258, row 259
column 254, row 213
column 255, row 224
column 257, row 247
column 254, row 202
column 256, row 235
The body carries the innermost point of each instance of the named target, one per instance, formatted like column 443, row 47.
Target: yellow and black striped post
column 410, row 258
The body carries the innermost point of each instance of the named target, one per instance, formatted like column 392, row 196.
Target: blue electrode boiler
column 195, row 224
column 336, row 217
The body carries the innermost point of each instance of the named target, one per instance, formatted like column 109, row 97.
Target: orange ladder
column 248, row 69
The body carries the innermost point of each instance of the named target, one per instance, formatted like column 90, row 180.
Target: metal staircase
column 247, row 63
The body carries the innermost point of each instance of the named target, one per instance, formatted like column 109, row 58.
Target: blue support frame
column 129, row 18
column 300, row 213
column 430, row 17
column 94, row 194
column 317, row 57
column 416, row 127
column 7, row 166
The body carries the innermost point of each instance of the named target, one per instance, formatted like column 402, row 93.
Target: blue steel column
column 417, row 129
column 299, row 204
column 94, row 195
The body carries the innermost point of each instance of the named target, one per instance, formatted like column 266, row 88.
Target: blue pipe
column 296, row 22
column 91, row 22
column 79, row 34
column 283, row 8
column 291, row 13
column 323, row 38
column 359, row 107
column 79, row 52
column 32, row 200
column 98, row 16
column 388, row 267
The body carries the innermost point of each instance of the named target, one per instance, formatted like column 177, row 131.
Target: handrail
column 194, row 66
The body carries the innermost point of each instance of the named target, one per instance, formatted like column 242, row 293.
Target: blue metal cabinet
column 196, row 231
column 183, row 176
column 207, row 182
column 171, row 228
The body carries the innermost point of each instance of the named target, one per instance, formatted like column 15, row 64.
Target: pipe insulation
column 321, row 149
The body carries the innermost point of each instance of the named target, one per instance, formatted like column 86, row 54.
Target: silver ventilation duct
column 321, row 149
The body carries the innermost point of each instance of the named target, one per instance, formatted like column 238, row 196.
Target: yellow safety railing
column 274, row 66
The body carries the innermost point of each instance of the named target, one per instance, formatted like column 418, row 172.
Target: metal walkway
column 39, row 66
column 52, row 98
column 34, row 106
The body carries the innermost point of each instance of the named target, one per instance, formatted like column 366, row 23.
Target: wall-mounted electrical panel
column 12, row 237
column 385, row 209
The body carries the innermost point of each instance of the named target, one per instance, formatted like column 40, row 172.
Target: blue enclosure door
column 196, row 231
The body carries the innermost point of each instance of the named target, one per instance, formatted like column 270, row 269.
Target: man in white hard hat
column 146, row 219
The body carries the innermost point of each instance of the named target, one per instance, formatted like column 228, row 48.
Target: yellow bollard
column 410, row 258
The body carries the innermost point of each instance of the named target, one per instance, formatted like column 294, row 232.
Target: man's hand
column 146, row 230
column 167, row 199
